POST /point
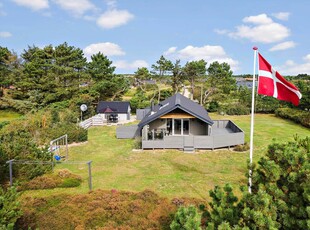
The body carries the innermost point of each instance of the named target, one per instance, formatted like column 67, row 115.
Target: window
column 180, row 126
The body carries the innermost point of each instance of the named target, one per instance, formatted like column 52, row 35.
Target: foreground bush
column 186, row 218
column 9, row 208
column 99, row 210
column 280, row 193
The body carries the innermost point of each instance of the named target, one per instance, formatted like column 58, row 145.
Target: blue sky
column 135, row 33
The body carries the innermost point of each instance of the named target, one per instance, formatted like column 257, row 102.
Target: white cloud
column 292, row 68
column 2, row 12
column 106, row 48
column 207, row 53
column 77, row 7
column 33, row 4
column 114, row 18
column 264, row 30
column 258, row 19
column 283, row 46
column 282, row 15
column 4, row 34
column 130, row 66
column 111, row 3
column 171, row 50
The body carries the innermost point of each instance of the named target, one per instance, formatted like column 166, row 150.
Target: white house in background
column 114, row 111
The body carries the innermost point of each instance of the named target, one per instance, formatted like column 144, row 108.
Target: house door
column 185, row 127
column 177, row 126
column 180, row 127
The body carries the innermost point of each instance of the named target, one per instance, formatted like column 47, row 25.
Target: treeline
column 42, row 76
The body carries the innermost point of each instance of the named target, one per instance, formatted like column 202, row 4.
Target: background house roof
column 176, row 101
column 115, row 106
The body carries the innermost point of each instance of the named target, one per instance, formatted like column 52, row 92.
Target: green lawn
column 170, row 173
column 8, row 115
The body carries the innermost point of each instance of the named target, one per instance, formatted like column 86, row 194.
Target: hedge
column 298, row 116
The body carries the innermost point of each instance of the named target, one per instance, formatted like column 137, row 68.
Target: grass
column 170, row 173
column 8, row 115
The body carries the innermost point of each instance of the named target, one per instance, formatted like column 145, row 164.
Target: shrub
column 237, row 109
column 242, row 148
column 137, row 144
column 75, row 133
column 71, row 182
column 213, row 106
column 4, row 123
column 42, row 182
column 64, row 179
column 9, row 208
column 298, row 116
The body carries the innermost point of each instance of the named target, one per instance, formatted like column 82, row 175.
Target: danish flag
column 271, row 83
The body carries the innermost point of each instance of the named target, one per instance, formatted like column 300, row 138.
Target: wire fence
column 53, row 164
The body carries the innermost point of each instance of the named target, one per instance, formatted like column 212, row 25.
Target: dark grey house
column 114, row 111
column 180, row 123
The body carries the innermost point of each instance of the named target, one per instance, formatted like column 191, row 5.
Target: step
column 189, row 149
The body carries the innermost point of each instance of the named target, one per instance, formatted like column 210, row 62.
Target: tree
column 194, row 71
column 160, row 69
column 139, row 100
column 16, row 142
column 9, row 207
column 100, row 68
column 69, row 70
column 223, row 207
column 284, row 175
column 8, row 63
column 141, row 75
column 4, row 59
column 304, row 87
column 177, row 76
column 220, row 79
column 186, row 218
column 280, row 192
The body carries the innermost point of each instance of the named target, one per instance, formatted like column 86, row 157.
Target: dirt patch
column 77, row 143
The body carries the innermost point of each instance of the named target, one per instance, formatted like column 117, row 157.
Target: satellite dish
column 83, row 107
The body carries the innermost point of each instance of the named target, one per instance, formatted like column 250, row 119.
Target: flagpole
column 252, row 121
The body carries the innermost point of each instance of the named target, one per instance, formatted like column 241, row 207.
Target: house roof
column 176, row 101
column 113, row 106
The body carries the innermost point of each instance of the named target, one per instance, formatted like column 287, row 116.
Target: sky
column 135, row 33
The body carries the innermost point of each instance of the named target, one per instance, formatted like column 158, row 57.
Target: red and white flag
column 271, row 83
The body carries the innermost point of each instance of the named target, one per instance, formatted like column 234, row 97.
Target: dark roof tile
column 172, row 103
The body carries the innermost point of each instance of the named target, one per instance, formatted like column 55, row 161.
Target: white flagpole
column 252, row 121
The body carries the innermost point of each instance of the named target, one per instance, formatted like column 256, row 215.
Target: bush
column 298, row 116
column 237, row 109
column 75, row 133
column 213, row 106
column 242, row 148
column 42, row 182
column 63, row 179
column 71, row 182
column 137, row 144
column 4, row 123
column 9, row 208
column 187, row 219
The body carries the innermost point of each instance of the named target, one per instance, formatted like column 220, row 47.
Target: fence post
column 90, row 185
column 10, row 162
